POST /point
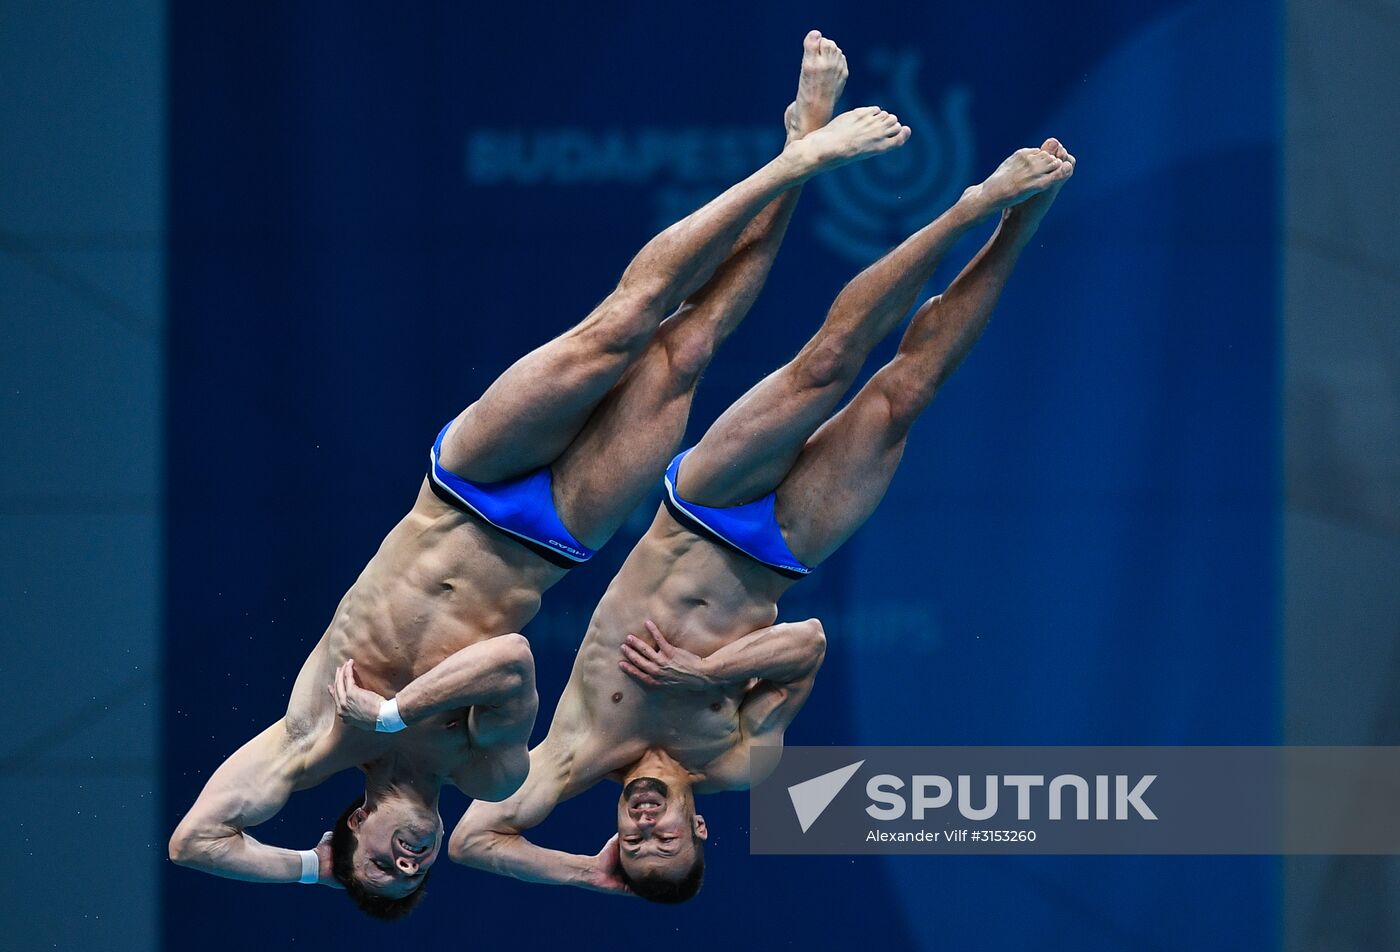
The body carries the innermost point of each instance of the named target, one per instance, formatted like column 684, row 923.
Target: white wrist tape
column 389, row 720
column 310, row 866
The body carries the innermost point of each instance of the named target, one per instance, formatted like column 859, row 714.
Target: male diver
column 420, row 679
column 683, row 668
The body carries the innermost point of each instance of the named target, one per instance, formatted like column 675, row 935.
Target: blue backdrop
column 375, row 208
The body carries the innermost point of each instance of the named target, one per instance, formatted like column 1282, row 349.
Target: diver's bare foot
column 819, row 85
column 1030, row 211
column 850, row 137
column 1025, row 173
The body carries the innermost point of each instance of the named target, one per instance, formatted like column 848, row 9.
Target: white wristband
column 389, row 720
column 310, row 867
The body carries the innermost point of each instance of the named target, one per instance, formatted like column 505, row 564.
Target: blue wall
column 1079, row 548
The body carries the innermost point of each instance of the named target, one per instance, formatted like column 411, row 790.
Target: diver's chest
column 443, row 740
column 691, row 726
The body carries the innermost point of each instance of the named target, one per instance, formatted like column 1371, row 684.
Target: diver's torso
column 440, row 581
column 702, row 597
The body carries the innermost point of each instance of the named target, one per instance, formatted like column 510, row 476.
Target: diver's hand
column 663, row 665
column 356, row 706
column 323, row 853
column 605, row 872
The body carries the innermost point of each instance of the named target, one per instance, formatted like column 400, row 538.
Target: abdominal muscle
column 701, row 597
column 440, row 581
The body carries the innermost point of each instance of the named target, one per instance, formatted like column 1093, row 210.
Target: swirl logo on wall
column 870, row 206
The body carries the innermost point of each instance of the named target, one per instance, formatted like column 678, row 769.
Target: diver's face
column 396, row 847
column 656, row 828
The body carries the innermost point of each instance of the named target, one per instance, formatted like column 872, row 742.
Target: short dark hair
column 656, row 888
column 343, row 843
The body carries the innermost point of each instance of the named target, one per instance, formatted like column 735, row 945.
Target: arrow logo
column 810, row 798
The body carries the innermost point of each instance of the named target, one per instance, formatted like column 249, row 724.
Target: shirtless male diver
column 526, row 482
column 773, row 488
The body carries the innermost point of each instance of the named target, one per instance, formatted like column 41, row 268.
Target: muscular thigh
column 533, row 411
column 623, row 449
column 839, row 479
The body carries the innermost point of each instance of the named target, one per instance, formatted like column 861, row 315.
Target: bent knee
column 622, row 325
column 830, row 360
column 903, row 399
column 688, row 351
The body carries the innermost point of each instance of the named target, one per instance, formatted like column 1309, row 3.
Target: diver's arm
column 491, row 836
column 493, row 673
column 786, row 653
column 765, row 712
column 249, row 788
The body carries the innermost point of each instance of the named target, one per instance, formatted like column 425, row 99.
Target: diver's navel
column 617, row 697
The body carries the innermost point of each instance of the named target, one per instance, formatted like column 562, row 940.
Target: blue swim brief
column 751, row 529
column 522, row 508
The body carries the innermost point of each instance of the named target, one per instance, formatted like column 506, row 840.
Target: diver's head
column 382, row 851
column 661, row 839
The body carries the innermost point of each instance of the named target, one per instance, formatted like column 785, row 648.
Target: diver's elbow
column 183, row 847
column 815, row 638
